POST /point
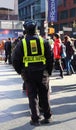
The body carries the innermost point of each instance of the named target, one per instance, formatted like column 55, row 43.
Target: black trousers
column 8, row 57
column 38, row 89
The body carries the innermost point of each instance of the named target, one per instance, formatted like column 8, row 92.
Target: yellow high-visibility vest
column 34, row 50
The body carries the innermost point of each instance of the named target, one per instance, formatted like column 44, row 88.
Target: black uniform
column 36, row 76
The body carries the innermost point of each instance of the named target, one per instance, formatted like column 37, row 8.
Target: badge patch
column 33, row 45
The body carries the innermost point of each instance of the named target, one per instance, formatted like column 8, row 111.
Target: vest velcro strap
column 34, row 59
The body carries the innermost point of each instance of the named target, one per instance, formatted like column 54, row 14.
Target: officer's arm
column 49, row 57
column 17, row 58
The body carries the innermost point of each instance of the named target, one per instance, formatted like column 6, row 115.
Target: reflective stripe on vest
column 33, row 59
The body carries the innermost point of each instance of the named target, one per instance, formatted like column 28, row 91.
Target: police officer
column 33, row 57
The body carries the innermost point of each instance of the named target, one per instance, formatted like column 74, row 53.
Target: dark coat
column 18, row 53
column 7, row 47
column 69, row 49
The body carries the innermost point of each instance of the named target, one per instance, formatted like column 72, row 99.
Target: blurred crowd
column 64, row 56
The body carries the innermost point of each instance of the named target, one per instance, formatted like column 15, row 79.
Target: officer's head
column 30, row 27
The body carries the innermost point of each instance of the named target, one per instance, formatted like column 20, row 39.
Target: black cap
column 30, row 26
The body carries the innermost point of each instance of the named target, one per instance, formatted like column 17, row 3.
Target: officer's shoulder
column 45, row 40
column 19, row 44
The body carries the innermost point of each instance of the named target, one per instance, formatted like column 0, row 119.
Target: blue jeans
column 69, row 66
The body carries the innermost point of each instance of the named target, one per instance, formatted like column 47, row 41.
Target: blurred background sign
column 51, row 30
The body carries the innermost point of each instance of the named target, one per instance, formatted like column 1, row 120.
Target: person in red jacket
column 57, row 52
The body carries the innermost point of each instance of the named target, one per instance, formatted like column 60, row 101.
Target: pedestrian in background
column 57, row 53
column 7, row 48
column 32, row 56
column 69, row 53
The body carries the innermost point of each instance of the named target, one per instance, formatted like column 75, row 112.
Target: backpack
column 63, row 50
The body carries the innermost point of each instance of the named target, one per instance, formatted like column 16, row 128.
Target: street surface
column 14, row 108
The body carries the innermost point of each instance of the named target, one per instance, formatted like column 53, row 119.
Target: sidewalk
column 14, row 108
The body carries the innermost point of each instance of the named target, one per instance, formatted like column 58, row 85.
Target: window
column 64, row 3
column 74, row 1
column 60, row 2
column 58, row 14
column 72, row 12
column 56, row 28
column 28, row 10
column 20, row 1
column 25, row 10
column 63, row 25
column 20, row 12
column 64, row 15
